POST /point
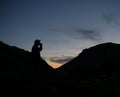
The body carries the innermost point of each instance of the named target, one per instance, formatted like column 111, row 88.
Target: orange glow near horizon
column 53, row 64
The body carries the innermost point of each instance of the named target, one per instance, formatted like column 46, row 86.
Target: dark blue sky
column 65, row 27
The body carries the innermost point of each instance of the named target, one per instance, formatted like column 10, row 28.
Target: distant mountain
column 95, row 71
column 16, row 63
column 103, row 56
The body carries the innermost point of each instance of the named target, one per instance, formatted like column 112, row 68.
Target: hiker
column 36, row 58
column 36, row 49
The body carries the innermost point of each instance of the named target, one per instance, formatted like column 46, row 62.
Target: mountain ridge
column 94, row 59
column 17, row 63
column 101, row 49
column 95, row 72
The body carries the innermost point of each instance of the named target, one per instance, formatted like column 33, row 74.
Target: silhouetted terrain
column 17, row 64
column 103, row 57
column 17, row 73
column 96, row 71
column 93, row 73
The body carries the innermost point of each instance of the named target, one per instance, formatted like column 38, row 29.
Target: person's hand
column 40, row 43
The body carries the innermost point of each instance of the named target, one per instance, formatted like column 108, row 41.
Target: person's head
column 37, row 42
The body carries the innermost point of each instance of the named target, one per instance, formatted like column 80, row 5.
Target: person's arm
column 41, row 47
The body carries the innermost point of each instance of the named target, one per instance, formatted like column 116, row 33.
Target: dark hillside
column 17, row 64
column 93, row 73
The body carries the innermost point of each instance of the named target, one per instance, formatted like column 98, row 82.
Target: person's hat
column 37, row 41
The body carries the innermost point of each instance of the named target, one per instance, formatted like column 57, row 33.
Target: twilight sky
column 65, row 27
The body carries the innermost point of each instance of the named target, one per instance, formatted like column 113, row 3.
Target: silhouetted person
column 36, row 49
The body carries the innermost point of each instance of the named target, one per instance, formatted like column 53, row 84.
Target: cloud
column 62, row 59
column 88, row 34
column 111, row 19
column 79, row 33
